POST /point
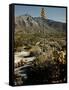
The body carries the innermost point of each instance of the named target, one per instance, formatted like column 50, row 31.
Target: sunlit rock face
column 31, row 24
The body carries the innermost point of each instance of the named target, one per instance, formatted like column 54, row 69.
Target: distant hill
column 31, row 24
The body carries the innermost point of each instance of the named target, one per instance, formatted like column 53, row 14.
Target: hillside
column 31, row 24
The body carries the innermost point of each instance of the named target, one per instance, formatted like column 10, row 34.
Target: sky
column 53, row 13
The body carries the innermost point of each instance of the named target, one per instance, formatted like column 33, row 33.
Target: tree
column 43, row 13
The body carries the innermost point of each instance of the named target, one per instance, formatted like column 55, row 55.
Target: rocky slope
column 31, row 24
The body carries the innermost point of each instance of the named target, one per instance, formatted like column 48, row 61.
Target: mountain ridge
column 35, row 24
